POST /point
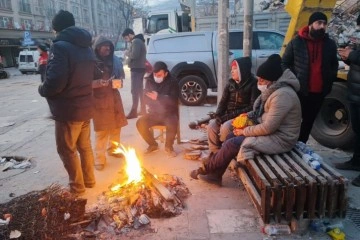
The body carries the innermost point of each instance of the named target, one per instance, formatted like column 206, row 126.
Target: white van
column 29, row 61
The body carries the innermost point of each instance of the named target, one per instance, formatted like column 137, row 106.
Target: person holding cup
column 109, row 116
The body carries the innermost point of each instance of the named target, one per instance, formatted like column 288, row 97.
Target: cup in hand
column 116, row 83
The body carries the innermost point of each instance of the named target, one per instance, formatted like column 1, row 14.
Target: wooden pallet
column 283, row 187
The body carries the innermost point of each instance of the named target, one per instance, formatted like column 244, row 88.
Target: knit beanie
column 316, row 16
column 271, row 69
column 63, row 19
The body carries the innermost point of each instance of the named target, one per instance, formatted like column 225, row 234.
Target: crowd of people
column 81, row 81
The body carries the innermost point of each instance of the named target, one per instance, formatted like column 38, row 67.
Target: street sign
column 27, row 39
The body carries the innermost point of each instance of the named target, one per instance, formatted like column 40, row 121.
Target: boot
column 201, row 170
column 132, row 114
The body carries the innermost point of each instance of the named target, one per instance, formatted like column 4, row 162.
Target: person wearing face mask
column 161, row 98
column 277, row 117
column 238, row 97
column 312, row 57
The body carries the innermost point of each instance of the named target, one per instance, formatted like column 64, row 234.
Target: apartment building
column 33, row 17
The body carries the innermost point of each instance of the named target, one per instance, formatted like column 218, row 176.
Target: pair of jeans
column 355, row 121
column 310, row 107
column 218, row 162
column 104, row 141
column 72, row 140
column 137, row 89
column 147, row 121
column 218, row 133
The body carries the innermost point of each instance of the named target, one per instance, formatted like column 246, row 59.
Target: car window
column 270, row 40
column 22, row 58
column 30, row 58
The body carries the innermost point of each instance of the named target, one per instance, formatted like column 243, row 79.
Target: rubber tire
column 193, row 90
column 329, row 131
column 4, row 74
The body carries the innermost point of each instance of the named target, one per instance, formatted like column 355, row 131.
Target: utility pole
column 223, row 47
column 248, row 27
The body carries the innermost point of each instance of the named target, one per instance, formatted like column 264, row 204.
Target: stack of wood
column 46, row 214
column 197, row 148
column 132, row 205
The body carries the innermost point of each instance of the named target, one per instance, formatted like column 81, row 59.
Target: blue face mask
column 262, row 88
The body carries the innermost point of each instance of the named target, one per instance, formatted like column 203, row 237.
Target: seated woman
column 277, row 117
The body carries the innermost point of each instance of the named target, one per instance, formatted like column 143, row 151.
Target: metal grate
column 354, row 215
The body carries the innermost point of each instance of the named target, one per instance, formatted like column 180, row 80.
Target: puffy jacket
column 353, row 78
column 109, row 111
column 167, row 100
column 69, row 74
column 279, row 125
column 296, row 58
column 239, row 97
column 137, row 53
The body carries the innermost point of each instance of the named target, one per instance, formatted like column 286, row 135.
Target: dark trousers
column 42, row 71
column 218, row 162
column 73, row 138
column 137, row 88
column 355, row 121
column 145, row 122
column 310, row 107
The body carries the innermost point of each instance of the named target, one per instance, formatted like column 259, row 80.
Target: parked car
column 192, row 57
column 29, row 61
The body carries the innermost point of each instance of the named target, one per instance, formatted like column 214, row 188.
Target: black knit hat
column 42, row 47
column 271, row 69
column 316, row 16
column 63, row 19
column 159, row 66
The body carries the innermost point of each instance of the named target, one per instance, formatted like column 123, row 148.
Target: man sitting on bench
column 277, row 118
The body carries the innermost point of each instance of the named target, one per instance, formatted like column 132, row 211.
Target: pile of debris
column 14, row 162
column 272, row 5
column 52, row 213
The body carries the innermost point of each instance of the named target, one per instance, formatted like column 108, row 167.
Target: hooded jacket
column 137, row 53
column 353, row 78
column 68, row 87
column 296, row 58
column 109, row 111
column 279, row 125
column 239, row 97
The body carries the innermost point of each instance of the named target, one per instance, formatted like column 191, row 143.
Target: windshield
column 157, row 23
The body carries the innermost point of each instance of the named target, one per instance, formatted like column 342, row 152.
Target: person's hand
column 238, row 132
column 152, row 95
column 344, row 52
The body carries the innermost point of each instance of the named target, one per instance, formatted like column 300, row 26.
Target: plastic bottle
column 317, row 157
column 314, row 164
column 278, row 229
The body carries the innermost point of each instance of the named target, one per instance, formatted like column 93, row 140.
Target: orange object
column 242, row 121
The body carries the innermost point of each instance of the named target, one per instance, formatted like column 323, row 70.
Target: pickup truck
column 192, row 57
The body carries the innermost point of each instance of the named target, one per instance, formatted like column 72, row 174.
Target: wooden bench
column 283, row 187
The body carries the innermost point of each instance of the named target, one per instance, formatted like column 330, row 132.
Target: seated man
column 161, row 97
column 277, row 117
column 238, row 97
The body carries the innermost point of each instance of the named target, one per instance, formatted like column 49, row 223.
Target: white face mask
column 158, row 79
column 262, row 88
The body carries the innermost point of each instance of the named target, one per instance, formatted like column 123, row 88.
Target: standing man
column 68, row 91
column 312, row 57
column 161, row 96
column 352, row 58
column 136, row 62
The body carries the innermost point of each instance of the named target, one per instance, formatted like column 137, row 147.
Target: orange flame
column 133, row 167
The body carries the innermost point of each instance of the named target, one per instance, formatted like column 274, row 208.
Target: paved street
column 211, row 212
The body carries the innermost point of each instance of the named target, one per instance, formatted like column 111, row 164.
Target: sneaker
column 151, row 148
column 131, row 115
column 194, row 173
column 356, row 181
column 170, row 152
column 348, row 165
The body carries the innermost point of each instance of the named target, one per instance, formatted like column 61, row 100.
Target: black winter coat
column 239, row 97
column 69, row 74
column 296, row 58
column 353, row 78
column 167, row 100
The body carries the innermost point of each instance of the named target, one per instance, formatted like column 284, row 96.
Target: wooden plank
column 165, row 193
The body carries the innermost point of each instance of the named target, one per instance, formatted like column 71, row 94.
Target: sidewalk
column 211, row 212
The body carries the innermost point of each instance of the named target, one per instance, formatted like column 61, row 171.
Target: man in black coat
column 161, row 97
column 68, row 91
column 312, row 57
column 352, row 58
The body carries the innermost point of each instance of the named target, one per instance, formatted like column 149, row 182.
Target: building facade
column 33, row 18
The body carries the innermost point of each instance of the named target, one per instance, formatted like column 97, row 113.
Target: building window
column 24, row 6
column 6, row 22
column 5, row 4
column 26, row 24
column 75, row 12
column 86, row 16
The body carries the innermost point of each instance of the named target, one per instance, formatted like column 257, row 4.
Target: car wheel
column 332, row 127
column 193, row 90
column 4, row 74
